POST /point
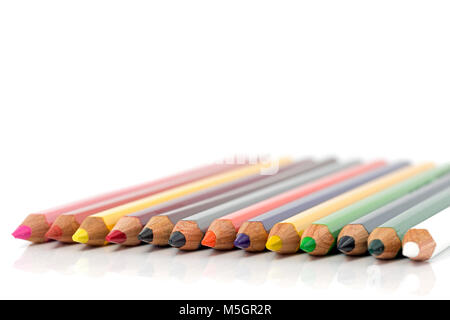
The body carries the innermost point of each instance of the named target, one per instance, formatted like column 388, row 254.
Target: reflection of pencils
column 157, row 231
column 188, row 232
column 36, row 225
column 428, row 238
column 285, row 236
column 222, row 232
column 352, row 240
column 320, row 237
column 252, row 235
column 94, row 228
column 127, row 228
column 385, row 241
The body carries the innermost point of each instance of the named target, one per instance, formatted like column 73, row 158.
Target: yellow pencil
column 285, row 236
column 95, row 228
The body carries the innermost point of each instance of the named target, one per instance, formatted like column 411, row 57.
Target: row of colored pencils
column 310, row 205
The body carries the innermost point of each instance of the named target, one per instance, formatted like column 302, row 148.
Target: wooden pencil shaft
column 437, row 227
column 207, row 194
column 270, row 218
column 419, row 213
column 337, row 220
column 385, row 213
column 204, row 218
column 181, row 213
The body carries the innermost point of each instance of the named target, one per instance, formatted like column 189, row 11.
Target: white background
column 97, row 95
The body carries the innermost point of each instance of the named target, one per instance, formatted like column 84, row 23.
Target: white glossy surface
column 148, row 272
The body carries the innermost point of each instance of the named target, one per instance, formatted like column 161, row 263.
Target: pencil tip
column 242, row 241
column 177, row 239
column 376, row 247
column 346, row 244
column 22, row 232
column 209, row 240
column 411, row 250
column 274, row 243
column 54, row 232
column 146, row 235
column 116, row 236
column 80, row 236
column 308, row 244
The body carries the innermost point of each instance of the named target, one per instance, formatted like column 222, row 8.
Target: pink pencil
column 35, row 225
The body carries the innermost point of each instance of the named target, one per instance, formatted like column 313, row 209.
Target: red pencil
column 222, row 232
column 36, row 225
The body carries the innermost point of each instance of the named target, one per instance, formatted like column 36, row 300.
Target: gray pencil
column 252, row 235
column 189, row 231
column 353, row 237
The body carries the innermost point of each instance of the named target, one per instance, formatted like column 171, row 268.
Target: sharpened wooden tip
column 288, row 235
column 389, row 241
column 256, row 234
column 191, row 232
column 96, row 230
column 359, row 236
column 225, row 233
column 67, row 224
column 130, row 226
column 323, row 238
column 425, row 242
column 161, row 227
column 37, row 226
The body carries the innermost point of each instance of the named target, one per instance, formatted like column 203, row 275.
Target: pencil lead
column 308, row 244
column 346, row 244
column 376, row 247
column 54, row 233
column 22, row 232
column 81, row 236
column 242, row 241
column 274, row 243
column 146, row 235
column 177, row 239
column 209, row 239
column 411, row 250
column 116, row 236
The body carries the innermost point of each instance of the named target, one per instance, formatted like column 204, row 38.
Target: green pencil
column 321, row 236
column 385, row 241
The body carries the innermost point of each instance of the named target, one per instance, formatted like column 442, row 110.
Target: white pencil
column 428, row 238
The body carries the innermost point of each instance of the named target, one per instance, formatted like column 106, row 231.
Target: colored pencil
column 126, row 230
column 321, row 236
column 352, row 240
column 285, row 236
column 36, row 225
column 188, row 233
column 157, row 231
column 252, row 235
column 93, row 229
column 428, row 238
column 385, row 241
column 68, row 222
column 222, row 232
